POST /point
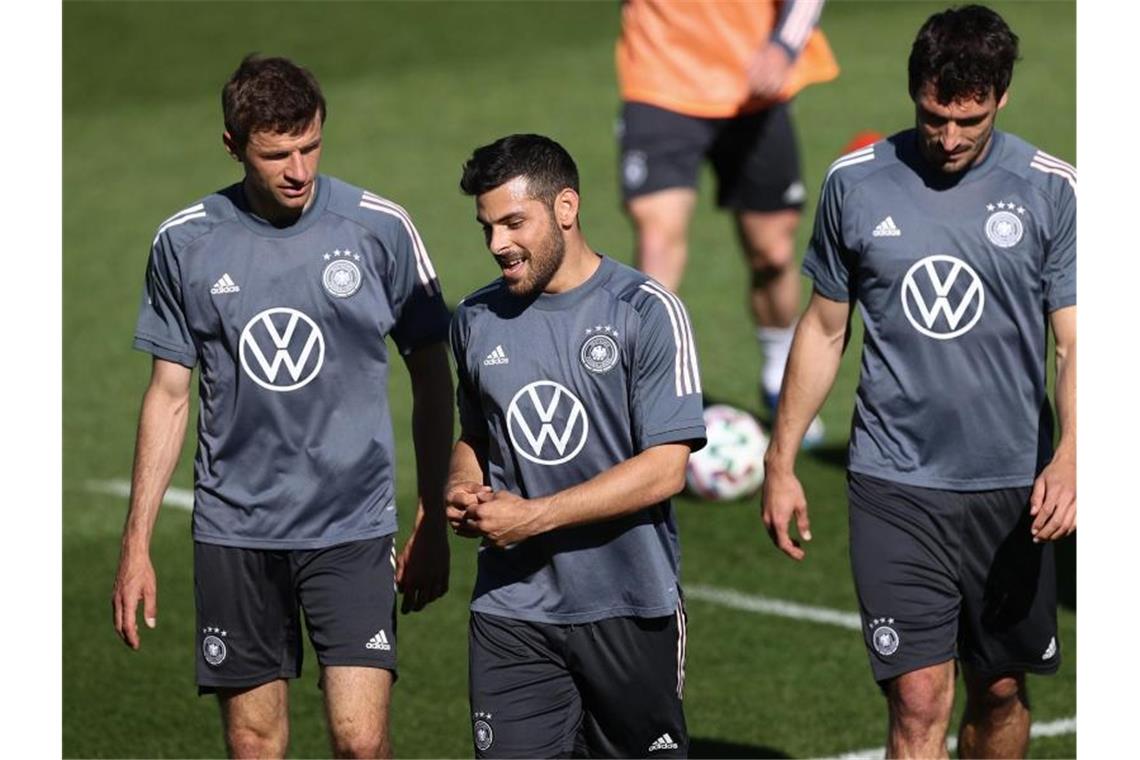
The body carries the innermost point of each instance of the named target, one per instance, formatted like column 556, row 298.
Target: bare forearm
column 466, row 464
column 646, row 479
column 1067, row 399
column 812, row 367
column 162, row 426
column 433, row 420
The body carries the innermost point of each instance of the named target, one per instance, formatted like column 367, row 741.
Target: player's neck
column 578, row 265
column 271, row 212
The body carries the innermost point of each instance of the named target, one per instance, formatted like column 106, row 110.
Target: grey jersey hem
column 576, row 618
column 945, row 484
column 286, row 544
column 694, row 434
column 161, row 350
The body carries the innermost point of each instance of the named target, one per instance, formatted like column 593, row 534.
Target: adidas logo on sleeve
column 663, row 742
column 225, row 284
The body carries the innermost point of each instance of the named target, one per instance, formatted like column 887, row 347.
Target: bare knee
column 247, row 741
column 996, row 695
column 350, row 742
column 256, row 720
column 921, row 701
column 769, row 241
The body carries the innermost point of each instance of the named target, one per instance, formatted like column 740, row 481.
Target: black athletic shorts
column 951, row 574
column 610, row 688
column 755, row 157
column 249, row 604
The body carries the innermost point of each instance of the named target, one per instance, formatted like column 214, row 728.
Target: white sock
column 775, row 344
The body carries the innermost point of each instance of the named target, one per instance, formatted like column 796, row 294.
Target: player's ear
column 1003, row 100
column 566, row 208
column 231, row 146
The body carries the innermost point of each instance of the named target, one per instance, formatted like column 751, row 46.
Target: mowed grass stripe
column 175, row 497
column 1036, row 731
column 768, row 606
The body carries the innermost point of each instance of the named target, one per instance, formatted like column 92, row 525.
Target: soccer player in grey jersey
column 580, row 400
column 958, row 243
column 282, row 289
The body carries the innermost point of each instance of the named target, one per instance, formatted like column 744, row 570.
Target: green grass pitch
column 412, row 88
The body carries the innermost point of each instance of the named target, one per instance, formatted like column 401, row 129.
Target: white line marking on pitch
column 1036, row 731
column 175, row 497
column 766, row 606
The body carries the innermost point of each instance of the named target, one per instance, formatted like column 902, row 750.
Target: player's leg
column 661, row 228
column 996, row 720
column 256, row 720
column 356, row 706
column 756, row 158
column 348, row 594
column 248, row 643
column 524, row 702
column 905, row 549
column 1009, row 621
column 661, row 153
column 918, row 711
column 617, row 658
column 768, row 240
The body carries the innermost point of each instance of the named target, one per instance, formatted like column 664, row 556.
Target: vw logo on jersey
column 294, row 342
column 547, row 423
column 942, row 297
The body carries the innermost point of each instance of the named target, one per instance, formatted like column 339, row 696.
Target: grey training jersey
column 955, row 281
column 295, row 445
column 563, row 387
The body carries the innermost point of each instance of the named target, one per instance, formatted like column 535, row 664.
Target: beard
column 543, row 264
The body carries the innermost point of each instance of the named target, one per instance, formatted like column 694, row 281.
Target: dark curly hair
column 270, row 94
column 964, row 52
column 547, row 166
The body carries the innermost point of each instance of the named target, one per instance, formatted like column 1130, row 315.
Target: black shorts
column 755, row 157
column 951, row 574
column 249, row 605
column 610, row 688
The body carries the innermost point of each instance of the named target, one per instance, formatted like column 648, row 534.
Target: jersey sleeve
column 667, row 403
column 1060, row 271
column 472, row 421
column 827, row 261
column 162, row 329
column 417, row 299
column 795, row 23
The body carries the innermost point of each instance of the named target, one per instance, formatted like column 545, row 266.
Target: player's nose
column 295, row 169
column 951, row 137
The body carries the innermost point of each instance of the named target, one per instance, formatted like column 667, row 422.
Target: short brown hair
column 270, row 94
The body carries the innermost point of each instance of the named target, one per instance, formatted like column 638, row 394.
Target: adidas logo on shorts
column 379, row 641
column 664, row 741
column 1051, row 650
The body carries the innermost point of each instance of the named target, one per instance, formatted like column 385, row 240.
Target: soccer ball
column 731, row 464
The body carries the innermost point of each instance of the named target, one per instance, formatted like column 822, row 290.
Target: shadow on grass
column 704, row 748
